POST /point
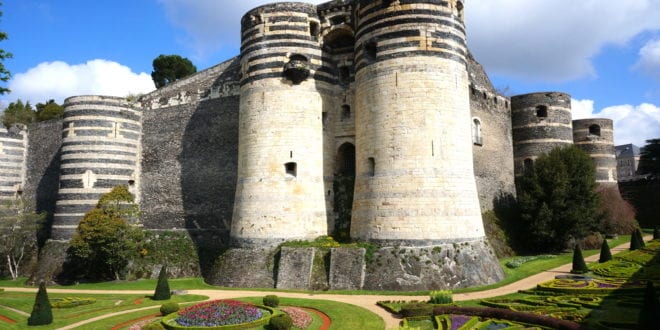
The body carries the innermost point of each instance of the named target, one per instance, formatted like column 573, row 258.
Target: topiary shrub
column 441, row 297
column 163, row 287
column 605, row 253
column 636, row 240
column 153, row 326
column 41, row 311
column 280, row 322
column 271, row 300
column 416, row 309
column 579, row 266
column 169, row 308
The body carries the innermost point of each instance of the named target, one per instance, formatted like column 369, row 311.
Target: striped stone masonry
column 596, row 137
column 13, row 148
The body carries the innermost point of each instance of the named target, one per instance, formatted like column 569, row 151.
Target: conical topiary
column 41, row 311
column 579, row 266
column 163, row 287
column 636, row 240
column 605, row 253
column 650, row 308
column 640, row 237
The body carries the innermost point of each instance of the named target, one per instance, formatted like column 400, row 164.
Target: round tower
column 280, row 190
column 414, row 172
column 13, row 144
column 596, row 137
column 100, row 150
column 541, row 122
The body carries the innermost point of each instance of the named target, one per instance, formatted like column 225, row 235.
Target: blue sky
column 605, row 53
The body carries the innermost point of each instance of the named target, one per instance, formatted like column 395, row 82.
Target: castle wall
column 596, row 137
column 541, row 122
column 415, row 179
column 100, row 150
column 13, row 147
column 280, row 193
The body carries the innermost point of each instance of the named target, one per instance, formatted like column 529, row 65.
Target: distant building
column 627, row 160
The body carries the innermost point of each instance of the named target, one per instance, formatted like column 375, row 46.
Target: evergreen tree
column 170, row 68
column 163, row 287
column 636, row 240
column 41, row 311
column 18, row 113
column 4, row 73
column 650, row 309
column 649, row 159
column 49, row 110
column 579, row 266
column 605, row 253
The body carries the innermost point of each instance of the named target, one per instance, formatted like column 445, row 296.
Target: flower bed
column 616, row 269
column 299, row 317
column 219, row 314
column 594, row 286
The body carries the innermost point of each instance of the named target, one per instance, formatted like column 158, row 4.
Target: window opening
column 594, row 130
column 346, row 159
column 371, row 166
column 371, row 50
column 542, row 111
column 477, row 139
column 344, row 75
column 345, row 112
column 339, row 19
column 314, row 30
column 324, row 119
column 291, row 169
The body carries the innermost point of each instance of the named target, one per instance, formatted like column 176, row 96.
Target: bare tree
column 18, row 233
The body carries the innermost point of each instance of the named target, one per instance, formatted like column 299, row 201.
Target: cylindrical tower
column 541, row 122
column 596, row 137
column 280, row 189
column 100, row 150
column 414, row 178
column 13, row 145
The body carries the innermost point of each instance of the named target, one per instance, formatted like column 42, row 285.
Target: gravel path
column 365, row 301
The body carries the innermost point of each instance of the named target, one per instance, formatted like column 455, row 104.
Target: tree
column 579, row 266
column 170, row 68
column 557, row 199
column 18, row 113
column 649, row 160
column 49, row 110
column 605, row 253
column 4, row 73
column 42, row 313
column 105, row 241
column 162, row 291
column 18, row 233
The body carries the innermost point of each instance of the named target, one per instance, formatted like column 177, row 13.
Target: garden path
column 366, row 301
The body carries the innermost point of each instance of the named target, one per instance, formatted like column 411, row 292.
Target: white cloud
column 540, row 40
column 632, row 124
column 649, row 59
column 59, row 80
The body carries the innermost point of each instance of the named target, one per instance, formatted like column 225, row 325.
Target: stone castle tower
column 245, row 155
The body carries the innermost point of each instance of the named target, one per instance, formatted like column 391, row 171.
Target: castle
column 245, row 154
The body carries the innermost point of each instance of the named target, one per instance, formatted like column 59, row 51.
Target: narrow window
column 371, row 50
column 542, row 111
column 291, row 169
column 476, row 132
column 339, row 19
column 131, row 182
column 594, row 130
column 345, row 112
column 324, row 119
column 459, row 9
column 314, row 30
column 371, row 166
column 344, row 75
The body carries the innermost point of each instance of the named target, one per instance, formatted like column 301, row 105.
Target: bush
column 441, row 297
column 280, row 322
column 579, row 266
column 70, row 302
column 41, row 311
column 163, row 287
column 416, row 309
column 271, row 300
column 605, row 253
column 153, row 326
column 169, row 308
column 618, row 214
column 592, row 242
column 636, row 240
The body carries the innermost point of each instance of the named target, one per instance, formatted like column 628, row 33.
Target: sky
column 604, row 53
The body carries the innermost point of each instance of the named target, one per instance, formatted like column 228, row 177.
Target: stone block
column 347, row 267
column 295, row 268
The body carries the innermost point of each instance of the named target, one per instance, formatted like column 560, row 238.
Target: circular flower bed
column 218, row 313
column 616, row 268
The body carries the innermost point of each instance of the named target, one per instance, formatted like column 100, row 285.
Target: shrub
column 169, row 308
column 153, row 326
column 579, row 266
column 618, row 214
column 441, row 297
column 70, row 302
column 271, row 300
column 605, row 253
column 41, row 311
column 163, row 287
column 280, row 322
column 591, row 242
column 416, row 309
column 636, row 240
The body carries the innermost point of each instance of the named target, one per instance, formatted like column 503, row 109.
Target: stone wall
column 13, row 145
column 596, row 137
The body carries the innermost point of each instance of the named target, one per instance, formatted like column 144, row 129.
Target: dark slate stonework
column 231, row 268
column 295, row 268
column 347, row 267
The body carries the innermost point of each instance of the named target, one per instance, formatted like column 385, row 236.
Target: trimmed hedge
column 271, row 300
column 506, row 314
column 70, row 302
column 169, row 308
column 416, row 309
column 280, row 322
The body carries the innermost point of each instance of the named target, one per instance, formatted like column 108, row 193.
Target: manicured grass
column 191, row 283
column 104, row 304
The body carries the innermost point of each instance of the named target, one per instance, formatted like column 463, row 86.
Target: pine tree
column 579, row 266
column 605, row 253
column 41, row 311
column 163, row 287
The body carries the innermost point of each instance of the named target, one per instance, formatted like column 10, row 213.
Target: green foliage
column 70, row 302
column 649, row 160
column 170, row 68
column 18, row 112
column 280, row 322
column 441, row 297
column 271, row 300
column 162, row 291
column 557, row 199
column 579, row 266
column 49, row 110
column 104, row 241
column 343, row 188
column 498, row 237
column 41, row 311
column 519, row 261
column 169, row 308
column 153, row 326
column 18, row 229
column 4, row 73
column 636, row 240
column 605, row 253
column 416, row 309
